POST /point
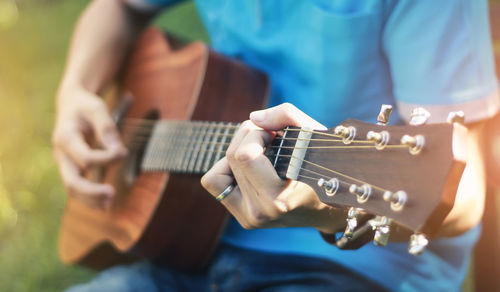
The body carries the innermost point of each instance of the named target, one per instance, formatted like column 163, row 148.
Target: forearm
column 103, row 35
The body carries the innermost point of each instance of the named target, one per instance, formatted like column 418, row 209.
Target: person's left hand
column 262, row 199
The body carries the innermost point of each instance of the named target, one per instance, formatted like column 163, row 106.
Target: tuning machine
column 379, row 138
column 415, row 143
column 331, row 186
column 385, row 113
column 419, row 116
column 347, row 133
column 362, row 192
column 418, row 243
column 397, row 199
column 381, row 225
column 352, row 222
column 456, row 117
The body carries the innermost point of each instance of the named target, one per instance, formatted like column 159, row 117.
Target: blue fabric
column 234, row 269
column 338, row 59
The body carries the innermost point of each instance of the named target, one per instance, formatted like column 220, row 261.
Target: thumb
column 105, row 129
column 286, row 114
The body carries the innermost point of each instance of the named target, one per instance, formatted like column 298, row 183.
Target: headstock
column 404, row 174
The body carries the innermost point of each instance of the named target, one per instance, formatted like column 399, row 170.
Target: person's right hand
column 81, row 114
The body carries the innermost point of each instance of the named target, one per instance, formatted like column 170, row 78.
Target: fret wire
column 189, row 152
column 196, row 150
column 223, row 141
column 203, row 148
column 173, row 148
column 208, row 162
column 279, row 150
column 180, row 147
column 179, row 143
column 165, row 146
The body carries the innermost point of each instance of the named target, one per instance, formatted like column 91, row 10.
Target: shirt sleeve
column 440, row 57
column 150, row 5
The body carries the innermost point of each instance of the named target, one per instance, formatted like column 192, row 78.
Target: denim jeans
column 234, row 269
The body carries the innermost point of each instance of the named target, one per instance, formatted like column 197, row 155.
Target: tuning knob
column 384, row 115
column 419, row 116
column 331, row 187
column 397, row 199
column 415, row 143
column 352, row 222
column 347, row 133
column 418, row 243
column 456, row 117
column 362, row 192
column 381, row 225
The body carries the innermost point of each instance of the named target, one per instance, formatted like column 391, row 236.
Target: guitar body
column 166, row 217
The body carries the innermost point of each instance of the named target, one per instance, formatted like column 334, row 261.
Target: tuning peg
column 379, row 138
column 352, row 222
column 418, row 243
column 419, row 116
column 330, row 186
column 384, row 115
column 381, row 225
column 415, row 143
column 397, row 199
column 362, row 192
column 456, row 117
column 347, row 133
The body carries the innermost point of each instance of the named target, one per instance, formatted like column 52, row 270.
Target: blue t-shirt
column 338, row 59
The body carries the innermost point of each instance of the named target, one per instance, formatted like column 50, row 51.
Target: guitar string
column 147, row 137
column 320, row 175
column 133, row 143
column 153, row 123
column 335, row 172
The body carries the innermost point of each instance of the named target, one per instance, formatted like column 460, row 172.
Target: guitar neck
column 194, row 147
column 186, row 146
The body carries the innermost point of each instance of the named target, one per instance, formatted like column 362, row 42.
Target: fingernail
column 111, row 140
column 258, row 116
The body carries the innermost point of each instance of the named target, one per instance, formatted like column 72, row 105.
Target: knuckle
column 242, row 156
column 230, row 154
column 95, row 106
column 207, row 182
column 287, row 107
column 246, row 127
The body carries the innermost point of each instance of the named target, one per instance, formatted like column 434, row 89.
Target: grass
column 32, row 54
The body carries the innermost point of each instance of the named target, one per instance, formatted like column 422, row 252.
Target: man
column 333, row 60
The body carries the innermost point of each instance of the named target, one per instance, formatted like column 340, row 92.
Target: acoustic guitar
column 178, row 112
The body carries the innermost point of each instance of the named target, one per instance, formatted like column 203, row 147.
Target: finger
column 217, row 179
column 80, row 152
column 92, row 194
column 256, row 166
column 105, row 129
column 286, row 114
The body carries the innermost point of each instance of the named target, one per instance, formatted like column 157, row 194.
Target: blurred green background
column 34, row 37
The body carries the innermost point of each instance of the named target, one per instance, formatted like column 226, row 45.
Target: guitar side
column 166, row 217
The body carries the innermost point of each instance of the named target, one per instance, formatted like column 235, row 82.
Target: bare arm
column 101, row 40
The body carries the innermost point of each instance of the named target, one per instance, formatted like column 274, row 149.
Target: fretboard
column 187, row 146
column 194, row 147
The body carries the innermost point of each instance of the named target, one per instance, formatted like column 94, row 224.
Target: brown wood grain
column 162, row 216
